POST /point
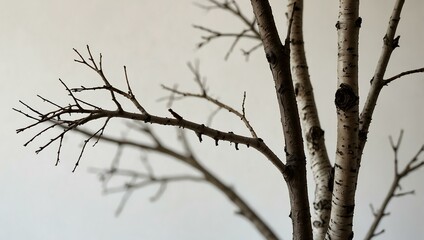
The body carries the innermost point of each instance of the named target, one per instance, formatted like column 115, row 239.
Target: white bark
column 346, row 165
column 312, row 132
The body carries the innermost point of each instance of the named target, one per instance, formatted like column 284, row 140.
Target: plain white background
column 155, row 39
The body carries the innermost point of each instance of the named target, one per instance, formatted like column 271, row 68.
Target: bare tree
column 335, row 183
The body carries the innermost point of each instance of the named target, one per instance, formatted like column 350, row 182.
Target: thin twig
column 204, row 95
column 389, row 80
column 398, row 176
column 234, row 9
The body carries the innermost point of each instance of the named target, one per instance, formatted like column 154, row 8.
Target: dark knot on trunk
column 345, row 97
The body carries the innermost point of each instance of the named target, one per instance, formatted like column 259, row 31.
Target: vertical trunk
column 346, row 100
column 278, row 57
column 312, row 132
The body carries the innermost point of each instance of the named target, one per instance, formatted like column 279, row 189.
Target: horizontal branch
column 199, row 129
column 389, row 80
column 91, row 113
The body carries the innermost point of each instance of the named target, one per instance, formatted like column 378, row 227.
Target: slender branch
column 91, row 114
column 410, row 167
column 233, row 8
column 99, row 71
column 390, row 43
column 389, row 80
column 188, row 158
column 312, row 131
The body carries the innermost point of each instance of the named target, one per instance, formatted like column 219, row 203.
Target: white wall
column 154, row 39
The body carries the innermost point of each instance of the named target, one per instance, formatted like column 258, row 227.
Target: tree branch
column 312, row 132
column 233, row 8
column 411, row 166
column 389, row 80
column 390, row 42
column 346, row 166
column 278, row 57
column 204, row 95
column 189, row 158
column 70, row 117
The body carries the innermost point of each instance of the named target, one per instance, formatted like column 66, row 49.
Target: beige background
column 155, row 40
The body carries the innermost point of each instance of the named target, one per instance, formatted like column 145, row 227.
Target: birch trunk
column 346, row 166
column 312, row 132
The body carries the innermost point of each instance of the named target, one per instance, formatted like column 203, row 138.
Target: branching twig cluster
column 91, row 112
column 395, row 188
column 137, row 180
column 232, row 7
column 79, row 112
column 205, row 95
column 70, row 117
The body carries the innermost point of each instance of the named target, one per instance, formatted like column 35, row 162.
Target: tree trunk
column 312, row 132
column 346, row 100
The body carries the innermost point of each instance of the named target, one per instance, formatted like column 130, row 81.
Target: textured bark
column 312, row 132
column 346, row 100
column 377, row 82
column 278, row 57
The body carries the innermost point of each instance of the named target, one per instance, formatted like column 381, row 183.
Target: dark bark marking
column 199, row 135
column 289, row 170
column 358, row 22
column 338, row 25
column 349, row 208
column 148, row 118
column 317, row 224
column 315, row 134
column 323, row 204
column 363, row 135
column 330, row 183
column 271, row 58
column 395, row 42
column 345, row 97
column 296, row 89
